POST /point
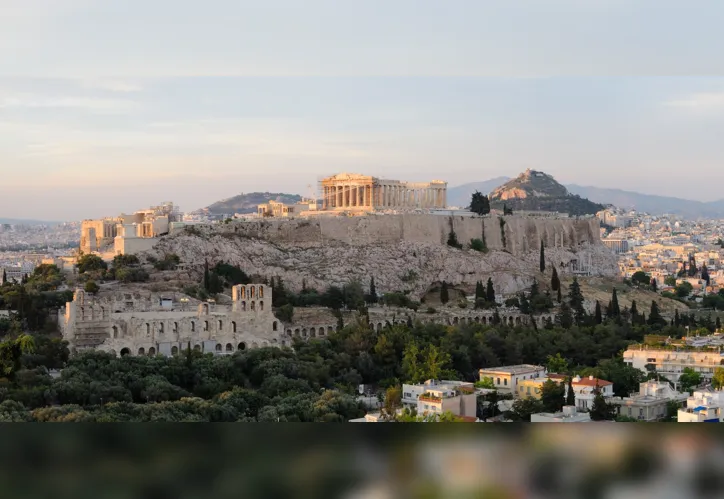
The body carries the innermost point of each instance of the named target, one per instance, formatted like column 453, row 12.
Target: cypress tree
column 677, row 319
column 655, row 318
column 575, row 298
column 634, row 313
column 542, row 257
column 206, row 276
column 654, row 286
column 615, row 310
column 570, row 395
column 718, row 323
column 705, row 274
column 490, row 291
column 534, row 290
column 444, row 294
column 479, row 291
column 599, row 316
column 555, row 281
column 5, row 278
column 560, row 296
column 373, row 290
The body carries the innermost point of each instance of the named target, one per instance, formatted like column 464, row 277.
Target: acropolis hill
column 404, row 252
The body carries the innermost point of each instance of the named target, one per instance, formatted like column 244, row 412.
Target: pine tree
column 373, row 290
column 542, row 257
column 565, row 317
column 601, row 410
column 490, row 291
column 575, row 299
column 615, row 310
column 655, row 318
column 570, row 394
column 207, row 283
column 555, row 281
column 599, row 315
column 444, row 294
column 479, row 291
column 634, row 313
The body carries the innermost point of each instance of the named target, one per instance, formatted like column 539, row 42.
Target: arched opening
column 261, row 306
column 289, row 332
column 205, row 309
column 251, row 292
column 193, row 327
column 517, row 321
column 312, row 332
column 254, row 345
column 175, row 327
column 233, row 326
column 218, row 347
column 510, row 321
column 113, row 352
column 125, row 351
column 274, row 326
column 252, row 306
column 242, row 346
column 284, row 343
column 197, row 348
column 115, row 332
column 148, row 329
column 379, row 326
column 141, row 351
column 243, row 306
column 321, row 331
column 261, row 291
column 485, row 320
column 455, row 320
column 229, row 347
column 206, row 325
column 151, row 351
column 174, row 350
column 304, row 332
column 160, row 328
column 221, row 325
column 243, row 291
column 296, row 332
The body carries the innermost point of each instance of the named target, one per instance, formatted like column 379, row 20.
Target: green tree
column 490, row 291
column 522, row 409
column 655, row 318
column 444, row 294
column 91, row 287
column 555, row 281
column 654, row 285
column 575, row 299
column 479, row 204
column 207, row 276
column 373, row 291
column 601, row 410
column 670, row 280
column 717, row 380
column 614, row 310
column 689, row 379
column 392, row 402
column 705, row 275
column 684, row 289
column 542, row 257
column 559, row 298
column 634, row 313
column 479, row 291
column 570, row 394
column 565, row 316
column 598, row 316
column 478, row 245
column 641, row 278
column 90, row 262
column 552, row 396
column 11, row 352
column 556, row 364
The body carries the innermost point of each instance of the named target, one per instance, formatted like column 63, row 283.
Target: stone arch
column 115, row 332
column 229, row 347
column 125, row 351
column 261, row 291
column 251, row 292
column 220, row 325
column 274, row 326
column 242, row 346
column 243, row 306
column 261, row 306
column 243, row 291
column 455, row 321
column 379, row 326
column 141, row 351
column 206, row 325
column 148, row 329
column 254, row 345
column 160, row 328
column 510, row 320
column 296, row 331
column 284, row 343
column 304, row 332
column 312, row 332
column 233, row 326
column 193, row 326
column 477, row 319
column 218, row 347
column 175, row 327
column 252, row 305
column 174, row 350
column 289, row 332
column 151, row 351
column 321, row 331
column 517, row 321
column 205, row 309
column 197, row 347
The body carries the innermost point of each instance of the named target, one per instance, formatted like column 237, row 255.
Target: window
column 175, row 327
column 193, row 326
column 206, row 325
column 160, row 328
column 221, row 325
column 505, row 381
column 148, row 329
column 274, row 326
column 115, row 331
column 527, row 390
column 497, row 381
column 233, row 327
column 261, row 306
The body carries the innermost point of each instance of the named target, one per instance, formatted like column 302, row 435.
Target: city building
column 650, row 403
column 617, row 245
column 703, row 406
column 584, row 388
column 349, row 191
column 671, row 361
column 506, row 378
column 438, row 397
column 278, row 209
column 569, row 414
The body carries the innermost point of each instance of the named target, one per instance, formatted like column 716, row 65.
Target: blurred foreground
column 606, row 460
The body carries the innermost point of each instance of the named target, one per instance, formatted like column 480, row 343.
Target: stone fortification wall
column 522, row 234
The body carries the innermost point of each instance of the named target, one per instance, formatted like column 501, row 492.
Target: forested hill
column 247, row 203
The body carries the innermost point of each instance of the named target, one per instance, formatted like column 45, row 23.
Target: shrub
column 478, row 245
column 92, row 287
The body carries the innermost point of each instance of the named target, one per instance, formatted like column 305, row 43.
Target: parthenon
column 349, row 191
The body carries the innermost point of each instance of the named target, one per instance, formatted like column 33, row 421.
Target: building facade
column 438, row 397
column 703, row 407
column 671, row 361
column 650, row 403
column 506, row 378
column 348, row 191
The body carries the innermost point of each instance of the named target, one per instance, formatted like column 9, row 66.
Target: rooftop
column 514, row 370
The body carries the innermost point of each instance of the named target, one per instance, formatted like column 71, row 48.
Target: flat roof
column 517, row 369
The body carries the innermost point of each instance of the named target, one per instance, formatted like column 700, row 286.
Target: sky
column 109, row 107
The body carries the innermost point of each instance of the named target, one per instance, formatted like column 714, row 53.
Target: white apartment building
column 703, row 407
column 505, row 379
column 650, row 403
column 437, row 397
column 671, row 362
column 584, row 388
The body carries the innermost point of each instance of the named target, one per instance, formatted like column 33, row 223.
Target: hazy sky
column 113, row 106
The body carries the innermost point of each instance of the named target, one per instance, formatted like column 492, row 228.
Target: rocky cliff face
column 405, row 256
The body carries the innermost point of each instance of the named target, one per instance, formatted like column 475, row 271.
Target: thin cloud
column 704, row 101
column 92, row 104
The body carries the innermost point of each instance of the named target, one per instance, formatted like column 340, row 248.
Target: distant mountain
column 22, row 221
column 537, row 191
column 655, row 205
column 247, row 203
